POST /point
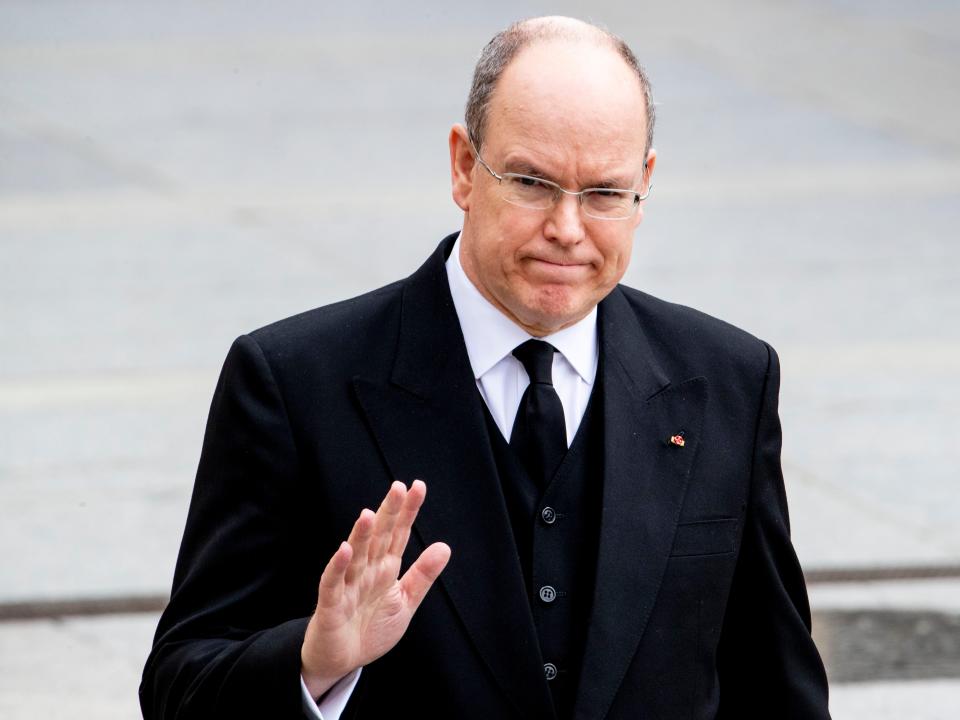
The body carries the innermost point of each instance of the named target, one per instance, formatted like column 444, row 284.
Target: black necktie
column 539, row 434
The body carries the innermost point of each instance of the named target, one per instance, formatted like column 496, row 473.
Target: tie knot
column 537, row 359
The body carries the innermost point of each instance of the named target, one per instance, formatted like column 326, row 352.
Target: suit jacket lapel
column 429, row 424
column 645, row 479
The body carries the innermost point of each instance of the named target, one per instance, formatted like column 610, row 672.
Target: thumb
column 419, row 578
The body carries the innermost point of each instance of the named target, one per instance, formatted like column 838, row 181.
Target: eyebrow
column 612, row 184
column 525, row 167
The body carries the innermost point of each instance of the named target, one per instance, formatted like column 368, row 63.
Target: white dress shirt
column 490, row 337
column 333, row 702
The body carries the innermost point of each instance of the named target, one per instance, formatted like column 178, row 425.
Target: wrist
column 318, row 680
column 317, row 685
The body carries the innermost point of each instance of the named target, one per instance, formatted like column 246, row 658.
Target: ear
column 651, row 162
column 648, row 170
column 462, row 162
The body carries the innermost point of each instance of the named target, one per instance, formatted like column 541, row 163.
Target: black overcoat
column 699, row 607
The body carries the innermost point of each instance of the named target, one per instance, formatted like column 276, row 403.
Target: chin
column 553, row 311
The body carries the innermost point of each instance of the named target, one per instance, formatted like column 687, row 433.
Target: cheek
column 616, row 256
column 624, row 258
column 498, row 257
column 513, row 234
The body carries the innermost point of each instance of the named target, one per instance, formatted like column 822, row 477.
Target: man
column 606, row 517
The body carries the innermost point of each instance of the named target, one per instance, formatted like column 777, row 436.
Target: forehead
column 570, row 100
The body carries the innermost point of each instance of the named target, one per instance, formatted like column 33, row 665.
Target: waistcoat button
column 548, row 594
column 549, row 515
column 549, row 671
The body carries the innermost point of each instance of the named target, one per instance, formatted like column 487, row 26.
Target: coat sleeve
column 767, row 663
column 228, row 644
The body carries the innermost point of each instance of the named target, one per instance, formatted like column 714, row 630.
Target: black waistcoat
column 557, row 536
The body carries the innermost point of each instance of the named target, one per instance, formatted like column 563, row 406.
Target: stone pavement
column 174, row 175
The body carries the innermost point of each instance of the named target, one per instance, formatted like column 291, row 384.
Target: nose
column 564, row 224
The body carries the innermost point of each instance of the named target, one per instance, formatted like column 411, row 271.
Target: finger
column 330, row 591
column 359, row 540
column 420, row 577
column 411, row 506
column 386, row 519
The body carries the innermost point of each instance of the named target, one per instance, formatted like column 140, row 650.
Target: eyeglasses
column 536, row 193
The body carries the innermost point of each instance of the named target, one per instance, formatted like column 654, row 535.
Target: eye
column 528, row 191
column 529, row 182
column 609, row 202
column 604, row 195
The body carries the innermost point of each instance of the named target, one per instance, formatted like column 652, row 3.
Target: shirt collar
column 490, row 335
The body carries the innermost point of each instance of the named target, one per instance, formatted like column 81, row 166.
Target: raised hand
column 363, row 609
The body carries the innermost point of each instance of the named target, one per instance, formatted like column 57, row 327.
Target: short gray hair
column 506, row 44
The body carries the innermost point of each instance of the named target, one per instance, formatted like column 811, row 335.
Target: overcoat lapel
column 645, row 480
column 429, row 424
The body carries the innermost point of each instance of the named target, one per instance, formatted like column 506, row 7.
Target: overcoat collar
column 429, row 424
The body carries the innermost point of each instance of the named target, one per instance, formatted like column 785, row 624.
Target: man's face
column 572, row 113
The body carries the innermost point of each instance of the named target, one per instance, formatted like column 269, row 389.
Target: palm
column 371, row 616
column 363, row 607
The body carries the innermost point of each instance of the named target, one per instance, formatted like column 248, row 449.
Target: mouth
column 558, row 268
column 559, row 263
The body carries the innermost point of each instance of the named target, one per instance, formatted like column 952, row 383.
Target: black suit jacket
column 699, row 611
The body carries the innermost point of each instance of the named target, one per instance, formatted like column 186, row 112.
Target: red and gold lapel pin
column 677, row 440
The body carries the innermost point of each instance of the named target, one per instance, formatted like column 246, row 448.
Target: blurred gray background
column 175, row 174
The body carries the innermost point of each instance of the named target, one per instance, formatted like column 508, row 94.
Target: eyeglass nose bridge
column 559, row 192
column 580, row 195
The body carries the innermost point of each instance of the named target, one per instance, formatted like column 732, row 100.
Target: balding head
column 507, row 44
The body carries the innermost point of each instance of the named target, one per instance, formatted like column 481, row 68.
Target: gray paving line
column 881, row 573
column 80, row 607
